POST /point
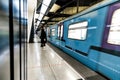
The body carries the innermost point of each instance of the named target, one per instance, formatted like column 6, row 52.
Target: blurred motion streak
column 20, row 33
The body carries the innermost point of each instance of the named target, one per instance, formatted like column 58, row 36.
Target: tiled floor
column 45, row 64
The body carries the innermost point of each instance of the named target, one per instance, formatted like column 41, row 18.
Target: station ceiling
column 61, row 9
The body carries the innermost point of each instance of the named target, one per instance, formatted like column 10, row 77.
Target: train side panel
column 95, row 27
column 92, row 51
column 109, row 59
column 53, row 33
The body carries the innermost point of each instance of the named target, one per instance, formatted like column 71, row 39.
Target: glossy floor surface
column 42, row 64
column 45, row 64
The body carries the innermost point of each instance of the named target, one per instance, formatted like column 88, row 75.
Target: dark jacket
column 43, row 36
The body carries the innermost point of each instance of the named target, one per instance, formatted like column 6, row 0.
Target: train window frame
column 114, row 29
column 60, row 31
column 78, row 28
column 53, row 32
column 104, row 42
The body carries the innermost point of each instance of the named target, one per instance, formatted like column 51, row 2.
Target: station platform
column 46, row 63
column 50, row 63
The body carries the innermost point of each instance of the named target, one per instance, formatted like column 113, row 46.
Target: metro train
column 12, row 39
column 92, row 37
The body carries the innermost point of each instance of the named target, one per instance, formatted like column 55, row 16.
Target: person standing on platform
column 43, row 37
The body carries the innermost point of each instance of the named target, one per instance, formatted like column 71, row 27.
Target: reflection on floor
column 45, row 64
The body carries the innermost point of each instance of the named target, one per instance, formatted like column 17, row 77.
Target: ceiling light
column 40, row 17
column 54, row 8
column 43, row 9
column 38, row 22
column 46, row 18
column 42, row 22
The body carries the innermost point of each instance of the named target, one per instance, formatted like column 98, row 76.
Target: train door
column 13, row 46
column 18, row 36
column 110, row 55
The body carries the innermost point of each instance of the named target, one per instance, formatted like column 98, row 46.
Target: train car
column 13, row 32
column 92, row 37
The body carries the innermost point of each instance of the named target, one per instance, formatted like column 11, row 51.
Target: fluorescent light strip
column 46, row 2
column 40, row 17
column 44, row 8
column 38, row 22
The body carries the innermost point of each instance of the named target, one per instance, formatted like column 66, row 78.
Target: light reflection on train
column 4, row 23
column 92, row 37
column 4, row 36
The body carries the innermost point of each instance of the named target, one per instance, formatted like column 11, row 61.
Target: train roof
column 92, row 8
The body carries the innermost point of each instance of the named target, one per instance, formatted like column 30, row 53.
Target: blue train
column 92, row 37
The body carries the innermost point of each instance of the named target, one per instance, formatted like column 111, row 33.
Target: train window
column 78, row 30
column 114, row 32
column 61, row 33
column 53, row 32
column 58, row 31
